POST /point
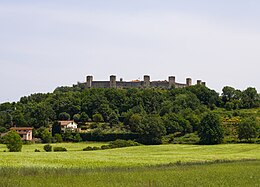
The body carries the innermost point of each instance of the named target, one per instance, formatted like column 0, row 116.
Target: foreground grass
column 220, row 174
column 125, row 157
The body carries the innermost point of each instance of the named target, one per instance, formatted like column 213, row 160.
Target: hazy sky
column 50, row 43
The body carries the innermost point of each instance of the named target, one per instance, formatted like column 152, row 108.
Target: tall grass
column 214, row 174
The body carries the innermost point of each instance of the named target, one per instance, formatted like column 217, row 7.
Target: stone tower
column 146, row 81
column 89, row 81
column 171, row 81
column 188, row 81
column 203, row 83
column 199, row 82
column 112, row 81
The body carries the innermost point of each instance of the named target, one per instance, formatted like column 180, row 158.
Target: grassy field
column 163, row 165
column 222, row 174
column 125, row 157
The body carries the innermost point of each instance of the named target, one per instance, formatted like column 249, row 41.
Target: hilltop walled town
column 145, row 83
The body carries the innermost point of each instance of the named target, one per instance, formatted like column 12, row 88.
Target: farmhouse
column 24, row 132
column 69, row 124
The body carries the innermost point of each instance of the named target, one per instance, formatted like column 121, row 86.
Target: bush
column 96, row 148
column 105, row 147
column 191, row 138
column 77, row 138
column 88, row 149
column 122, row 143
column 13, row 141
column 46, row 136
column 27, row 142
column 37, row 150
column 58, row 138
column 59, row 149
column 47, row 148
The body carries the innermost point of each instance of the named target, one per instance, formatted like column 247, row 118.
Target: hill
column 106, row 110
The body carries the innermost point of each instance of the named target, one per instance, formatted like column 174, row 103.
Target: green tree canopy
column 46, row 136
column 13, row 141
column 98, row 117
column 210, row 129
column 248, row 128
column 64, row 116
column 151, row 130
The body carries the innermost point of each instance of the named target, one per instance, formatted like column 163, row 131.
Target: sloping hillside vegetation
column 144, row 114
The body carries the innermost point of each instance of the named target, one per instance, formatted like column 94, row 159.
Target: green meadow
column 222, row 174
column 124, row 157
column 157, row 165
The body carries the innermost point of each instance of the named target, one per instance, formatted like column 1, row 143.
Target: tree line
column 151, row 112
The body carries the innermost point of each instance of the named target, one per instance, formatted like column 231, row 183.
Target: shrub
column 59, row 149
column 37, row 150
column 96, row 148
column 58, row 138
column 27, row 142
column 47, row 148
column 122, row 143
column 46, row 136
column 105, row 147
column 13, row 141
column 77, row 138
column 191, row 138
column 88, row 148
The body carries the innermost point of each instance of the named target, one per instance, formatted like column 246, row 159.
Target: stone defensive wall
column 145, row 83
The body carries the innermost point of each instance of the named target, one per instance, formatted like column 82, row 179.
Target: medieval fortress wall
column 145, row 83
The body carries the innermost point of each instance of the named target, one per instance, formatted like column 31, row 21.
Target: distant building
column 24, row 132
column 69, row 124
column 145, row 83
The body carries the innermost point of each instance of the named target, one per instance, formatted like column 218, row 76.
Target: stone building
column 24, row 132
column 145, row 83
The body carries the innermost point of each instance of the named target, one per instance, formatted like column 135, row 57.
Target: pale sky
column 51, row 43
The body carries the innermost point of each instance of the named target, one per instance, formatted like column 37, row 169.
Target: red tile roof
column 64, row 123
column 21, row 128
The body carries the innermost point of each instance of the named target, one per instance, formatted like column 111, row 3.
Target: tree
column 97, row 118
column 77, row 138
column 151, row 130
column 58, row 138
column 67, row 136
column 250, row 98
column 56, row 128
column 46, row 136
column 3, row 130
column 64, row 116
column 13, row 141
column 228, row 94
column 205, row 95
column 113, row 118
column 171, row 123
column 84, row 117
column 134, row 122
column 76, row 118
column 210, row 129
column 248, row 128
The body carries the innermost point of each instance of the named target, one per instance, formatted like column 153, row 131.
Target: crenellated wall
column 146, row 83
